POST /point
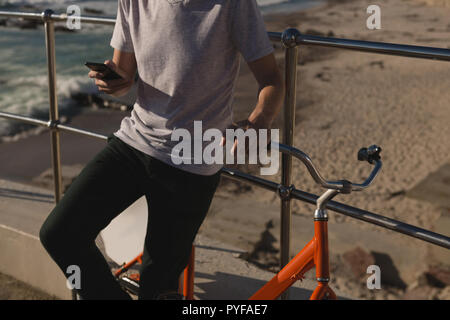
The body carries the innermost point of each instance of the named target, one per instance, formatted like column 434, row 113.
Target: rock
column 28, row 24
column 314, row 32
column 419, row 293
column 29, row 8
column 441, row 275
column 435, row 277
column 96, row 101
column 93, row 11
column 324, row 76
column 391, row 296
column 16, row 23
column 358, row 260
column 380, row 64
column 444, row 294
column 63, row 28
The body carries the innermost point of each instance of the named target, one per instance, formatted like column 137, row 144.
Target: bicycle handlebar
column 370, row 154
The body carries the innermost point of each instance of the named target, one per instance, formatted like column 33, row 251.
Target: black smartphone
column 109, row 73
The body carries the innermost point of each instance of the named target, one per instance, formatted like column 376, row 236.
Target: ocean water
column 23, row 73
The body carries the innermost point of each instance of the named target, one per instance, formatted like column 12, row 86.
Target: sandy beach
column 345, row 100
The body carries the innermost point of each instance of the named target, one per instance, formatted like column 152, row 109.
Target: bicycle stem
column 323, row 200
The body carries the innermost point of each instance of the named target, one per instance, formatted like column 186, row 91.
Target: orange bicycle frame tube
column 187, row 277
column 188, row 284
column 315, row 253
column 125, row 267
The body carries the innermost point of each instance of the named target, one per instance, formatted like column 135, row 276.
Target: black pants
column 116, row 177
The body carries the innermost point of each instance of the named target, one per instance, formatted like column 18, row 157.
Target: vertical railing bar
column 291, row 56
column 49, row 28
column 53, row 101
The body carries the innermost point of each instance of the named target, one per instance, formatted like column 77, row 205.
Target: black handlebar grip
column 363, row 155
column 369, row 154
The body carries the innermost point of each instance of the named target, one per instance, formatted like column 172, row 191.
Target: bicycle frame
column 314, row 254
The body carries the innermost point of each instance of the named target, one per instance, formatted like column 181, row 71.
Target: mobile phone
column 109, row 73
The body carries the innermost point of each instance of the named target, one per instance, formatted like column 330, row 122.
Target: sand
column 399, row 103
column 346, row 100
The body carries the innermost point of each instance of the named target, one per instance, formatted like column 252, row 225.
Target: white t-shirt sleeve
column 121, row 38
column 248, row 31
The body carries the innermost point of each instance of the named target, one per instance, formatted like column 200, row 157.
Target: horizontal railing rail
column 56, row 17
column 294, row 40
column 344, row 209
column 293, row 37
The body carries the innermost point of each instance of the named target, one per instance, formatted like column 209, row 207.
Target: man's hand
column 124, row 63
column 270, row 99
column 117, row 87
column 246, row 125
column 271, row 92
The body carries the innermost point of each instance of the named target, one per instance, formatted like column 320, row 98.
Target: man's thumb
column 110, row 64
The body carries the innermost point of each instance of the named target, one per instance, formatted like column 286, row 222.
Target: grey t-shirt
column 187, row 54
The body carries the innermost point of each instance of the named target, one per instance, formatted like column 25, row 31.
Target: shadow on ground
column 226, row 286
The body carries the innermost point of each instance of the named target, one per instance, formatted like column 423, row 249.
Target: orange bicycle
column 314, row 254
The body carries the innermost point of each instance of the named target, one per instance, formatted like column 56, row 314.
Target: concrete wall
column 23, row 257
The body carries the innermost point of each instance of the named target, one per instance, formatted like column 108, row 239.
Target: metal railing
column 291, row 40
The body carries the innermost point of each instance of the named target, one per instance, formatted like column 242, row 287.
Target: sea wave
column 97, row 4
column 29, row 96
column 104, row 7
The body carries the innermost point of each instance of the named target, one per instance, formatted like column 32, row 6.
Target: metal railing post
column 53, row 100
column 289, row 37
column 53, row 109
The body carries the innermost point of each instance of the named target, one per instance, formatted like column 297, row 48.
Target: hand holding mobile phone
column 109, row 74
